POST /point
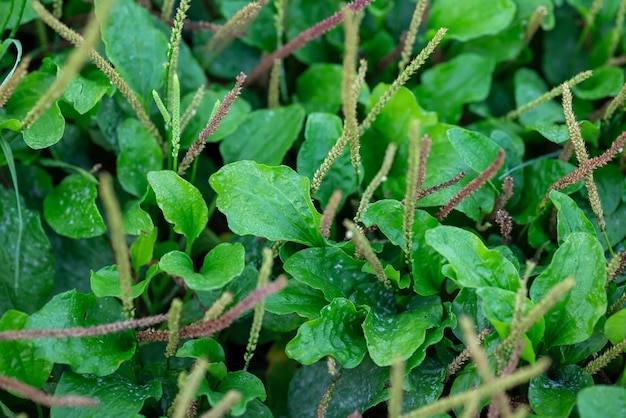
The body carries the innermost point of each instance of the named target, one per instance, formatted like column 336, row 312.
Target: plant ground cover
column 299, row 208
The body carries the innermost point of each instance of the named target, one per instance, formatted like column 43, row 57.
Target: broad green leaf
column 573, row 318
column 236, row 116
column 136, row 220
column 270, row 202
column 72, row 309
column 601, row 401
column 85, row 92
column 525, row 9
column 321, row 132
column 49, row 127
column 319, row 88
column 475, row 149
column 605, row 81
column 222, row 264
column 245, row 383
column 575, row 353
column 265, row 136
column 139, row 154
column 433, row 336
column 505, row 46
column 357, row 389
column 329, row 269
column 471, row 18
column 181, row 203
column 569, row 216
column 424, row 384
column 8, row 5
column 396, row 336
column 387, row 215
column 562, row 57
column 446, row 87
column 202, row 347
column 117, row 394
column 135, row 47
column 336, row 333
column 444, row 163
column 302, row 15
column 142, row 249
column 498, row 306
column 106, row 282
column 297, row 298
column 615, row 327
column 239, row 287
column 555, row 396
column 71, row 208
column 538, row 177
column 27, row 265
column 17, row 357
column 528, row 87
column 261, row 32
column 472, row 264
column 610, row 183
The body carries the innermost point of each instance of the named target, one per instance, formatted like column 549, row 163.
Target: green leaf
column 85, row 92
column 472, row 264
column 265, row 136
column 245, row 383
column 237, row 114
column 602, row 401
column 562, row 57
column 328, row 269
column 475, row 149
column 251, row 196
column 17, row 357
column 135, row 47
column 357, row 389
column 118, row 396
column 302, row 15
column 472, row 18
column 139, row 154
column 498, row 306
column 336, row 333
column 387, row 215
column 444, row 163
column 142, row 248
column 319, row 88
column 615, row 327
column 72, row 309
column 181, row 203
column 321, row 132
column 573, row 318
column 569, row 217
column 448, row 86
column 297, row 298
column 538, row 177
column 605, row 81
column 528, row 87
column 71, row 208
column 48, row 129
column 396, row 336
column 505, row 46
column 425, row 384
column 221, row 265
column 35, row 267
column 555, row 395
column 202, row 347
column 136, row 220
column 525, row 9
column 106, row 282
